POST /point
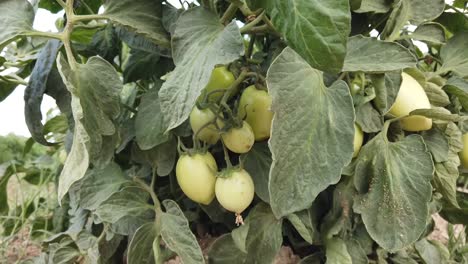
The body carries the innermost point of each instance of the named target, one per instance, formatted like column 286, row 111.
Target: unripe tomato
column 60, row 23
column 254, row 106
column 220, row 78
column 464, row 152
column 358, row 138
column 411, row 97
column 235, row 191
column 196, row 175
column 239, row 139
column 198, row 119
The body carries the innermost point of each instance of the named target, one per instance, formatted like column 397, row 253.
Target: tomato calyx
column 227, row 172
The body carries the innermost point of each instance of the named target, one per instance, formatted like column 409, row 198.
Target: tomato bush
column 343, row 130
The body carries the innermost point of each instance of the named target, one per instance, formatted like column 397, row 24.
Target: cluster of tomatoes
column 238, row 128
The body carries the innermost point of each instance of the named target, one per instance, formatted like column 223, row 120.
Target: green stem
column 58, row 36
column 263, row 29
column 229, row 13
column 77, row 18
column 147, row 188
column 253, row 23
column 226, row 156
column 67, row 33
column 458, row 11
column 61, row 3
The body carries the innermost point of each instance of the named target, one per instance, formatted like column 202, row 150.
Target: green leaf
column 140, row 16
column 176, row 234
column 258, row 162
column 454, row 55
column 105, row 43
column 429, row 252
column 149, row 122
column 199, row 43
column 436, row 113
column 373, row 55
column 415, row 11
column 315, row 114
column 375, row 6
column 140, row 65
column 446, row 172
column 140, row 249
column 357, row 253
column 128, row 225
column 265, row 237
column 131, row 201
column 459, row 88
column 429, row 32
column 163, row 157
column 96, row 85
column 36, row 88
column 305, row 223
column 223, row 251
column 436, row 94
column 317, row 30
column 453, row 22
column 336, row 251
column 386, row 87
column 99, row 184
column 393, row 179
column 437, row 144
column 17, row 18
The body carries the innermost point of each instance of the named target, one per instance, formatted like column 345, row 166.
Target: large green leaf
column 141, row 16
column 140, row 249
column 394, row 180
column 36, row 88
column 317, row 30
column 17, row 18
column 312, row 133
column 373, row 55
column 199, row 43
column 437, row 144
column 264, row 238
column 429, row 32
column 455, row 55
column 258, row 162
column 224, row 250
column 149, row 123
column 100, row 183
column 130, row 201
column 176, row 234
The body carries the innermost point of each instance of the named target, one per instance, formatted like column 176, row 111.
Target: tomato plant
column 343, row 127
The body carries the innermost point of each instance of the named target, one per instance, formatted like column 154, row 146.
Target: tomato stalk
column 150, row 190
column 226, row 156
column 253, row 23
column 229, row 13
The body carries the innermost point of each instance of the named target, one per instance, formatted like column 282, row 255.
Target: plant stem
column 77, row 18
column 226, row 156
column 67, row 33
column 61, row 3
column 457, row 10
column 58, row 36
column 147, row 188
column 229, row 13
column 254, row 22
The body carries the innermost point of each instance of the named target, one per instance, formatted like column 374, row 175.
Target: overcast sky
column 12, row 108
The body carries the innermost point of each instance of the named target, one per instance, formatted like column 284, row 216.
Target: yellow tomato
column 198, row 120
column 358, row 138
column 464, row 152
column 411, row 97
column 254, row 106
column 236, row 191
column 239, row 139
column 196, row 176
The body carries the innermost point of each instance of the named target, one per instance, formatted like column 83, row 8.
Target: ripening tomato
column 411, row 97
column 254, row 106
column 221, row 78
column 198, row 119
column 235, row 190
column 196, row 175
column 358, row 139
column 464, row 152
column 239, row 139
